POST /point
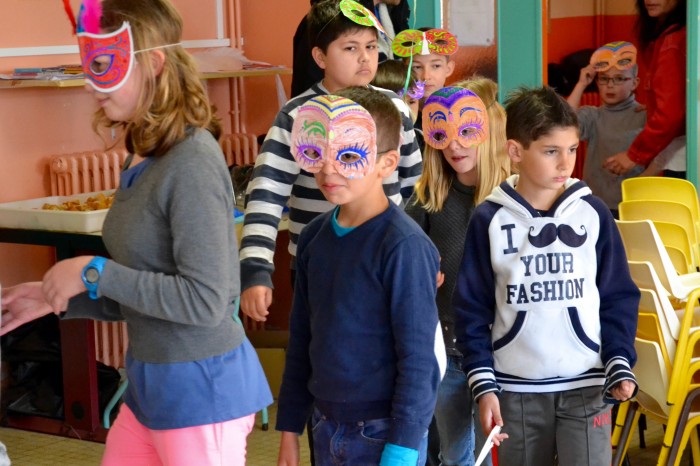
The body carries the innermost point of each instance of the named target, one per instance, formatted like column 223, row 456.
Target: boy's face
column 413, row 106
column 546, row 165
column 433, row 69
column 612, row 92
column 350, row 60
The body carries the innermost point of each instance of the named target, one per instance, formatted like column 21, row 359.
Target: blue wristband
column 91, row 275
column 396, row 455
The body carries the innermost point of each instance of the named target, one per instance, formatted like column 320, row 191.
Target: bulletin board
column 472, row 21
column 41, row 27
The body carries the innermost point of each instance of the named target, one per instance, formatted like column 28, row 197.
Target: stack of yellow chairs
column 665, row 343
column 667, row 201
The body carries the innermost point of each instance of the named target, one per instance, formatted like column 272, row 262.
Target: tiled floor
column 31, row 449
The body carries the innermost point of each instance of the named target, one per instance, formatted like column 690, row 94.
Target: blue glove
column 396, row 455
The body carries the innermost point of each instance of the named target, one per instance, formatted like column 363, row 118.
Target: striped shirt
column 277, row 179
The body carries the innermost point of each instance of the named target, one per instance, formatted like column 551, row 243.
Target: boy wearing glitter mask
column 343, row 35
column 545, row 307
column 365, row 354
column 610, row 128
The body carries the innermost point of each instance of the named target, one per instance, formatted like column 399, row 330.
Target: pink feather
column 90, row 15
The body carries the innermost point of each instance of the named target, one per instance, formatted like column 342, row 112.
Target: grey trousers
column 574, row 425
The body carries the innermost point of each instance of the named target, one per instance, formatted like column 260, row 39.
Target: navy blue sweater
column 364, row 335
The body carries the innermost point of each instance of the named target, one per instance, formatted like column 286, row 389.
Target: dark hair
column 391, row 74
column 534, row 112
column 326, row 23
column 649, row 29
column 386, row 116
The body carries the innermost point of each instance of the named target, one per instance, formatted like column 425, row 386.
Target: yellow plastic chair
column 663, row 211
column 663, row 189
column 653, row 379
column 643, row 244
column 676, row 240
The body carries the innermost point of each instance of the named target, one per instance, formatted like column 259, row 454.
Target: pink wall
column 36, row 123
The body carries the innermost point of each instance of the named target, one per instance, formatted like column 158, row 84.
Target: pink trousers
column 131, row 443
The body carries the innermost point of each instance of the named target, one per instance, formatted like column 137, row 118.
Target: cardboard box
column 271, row 346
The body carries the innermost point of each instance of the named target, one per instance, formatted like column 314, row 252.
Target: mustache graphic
column 551, row 232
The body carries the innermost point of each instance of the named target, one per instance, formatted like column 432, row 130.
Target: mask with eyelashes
column 454, row 114
column 335, row 130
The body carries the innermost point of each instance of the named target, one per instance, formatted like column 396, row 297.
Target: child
column 344, row 39
column 428, row 51
column 391, row 74
column 661, row 145
column 611, row 128
column 545, row 306
column 364, row 350
column 457, row 175
column 195, row 382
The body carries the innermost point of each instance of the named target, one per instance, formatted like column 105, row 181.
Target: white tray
column 29, row 215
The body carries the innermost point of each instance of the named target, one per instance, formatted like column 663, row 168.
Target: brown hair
column 174, row 99
column 386, row 116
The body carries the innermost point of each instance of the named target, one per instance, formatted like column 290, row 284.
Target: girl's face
column 463, row 161
column 120, row 104
column 659, row 8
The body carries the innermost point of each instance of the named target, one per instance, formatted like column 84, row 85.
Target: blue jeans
column 352, row 443
column 457, row 420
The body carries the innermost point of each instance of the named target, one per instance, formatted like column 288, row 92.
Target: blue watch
column 91, row 275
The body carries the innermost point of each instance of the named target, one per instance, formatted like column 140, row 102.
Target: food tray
column 29, row 215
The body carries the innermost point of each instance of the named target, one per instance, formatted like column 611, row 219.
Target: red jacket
column 664, row 84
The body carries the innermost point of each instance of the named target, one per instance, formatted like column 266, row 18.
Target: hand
column 623, row 390
column 440, row 279
column 23, row 303
column 587, row 75
column 289, row 450
column 619, row 164
column 490, row 415
column 255, row 301
column 63, row 281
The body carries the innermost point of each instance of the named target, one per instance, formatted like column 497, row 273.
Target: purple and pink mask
column 454, row 114
column 335, row 130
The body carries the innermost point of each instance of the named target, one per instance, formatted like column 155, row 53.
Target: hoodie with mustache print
column 544, row 301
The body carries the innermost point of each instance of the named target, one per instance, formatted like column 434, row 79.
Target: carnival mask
column 335, row 130
column 621, row 55
column 454, row 114
column 414, row 42
column 107, row 58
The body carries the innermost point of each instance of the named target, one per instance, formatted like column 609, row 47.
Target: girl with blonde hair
column 464, row 159
column 195, row 382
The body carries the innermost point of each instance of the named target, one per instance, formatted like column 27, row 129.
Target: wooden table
column 80, row 391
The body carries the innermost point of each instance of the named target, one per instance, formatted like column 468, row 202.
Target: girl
column 463, row 161
column 195, row 380
column 661, row 30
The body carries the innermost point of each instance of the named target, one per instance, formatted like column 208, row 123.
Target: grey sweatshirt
column 174, row 272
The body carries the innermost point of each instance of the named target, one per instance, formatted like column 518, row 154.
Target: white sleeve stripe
column 257, row 253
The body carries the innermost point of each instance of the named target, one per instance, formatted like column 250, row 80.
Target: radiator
column 81, row 173
column 239, row 149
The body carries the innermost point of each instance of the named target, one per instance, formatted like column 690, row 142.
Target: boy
column 364, row 349
column 546, row 310
column 611, row 128
column 347, row 52
column 431, row 51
